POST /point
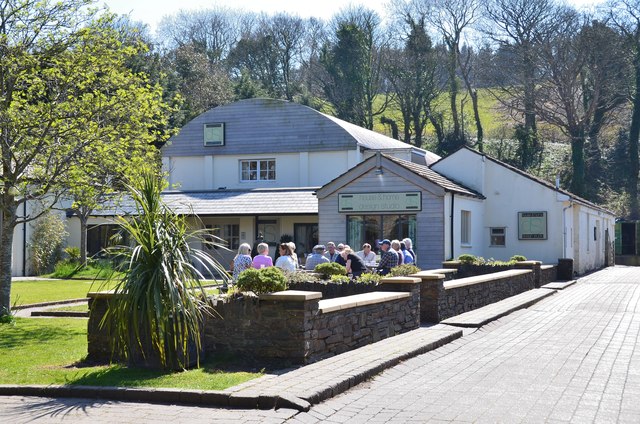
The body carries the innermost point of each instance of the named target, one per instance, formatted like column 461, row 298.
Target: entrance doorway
column 628, row 238
column 305, row 236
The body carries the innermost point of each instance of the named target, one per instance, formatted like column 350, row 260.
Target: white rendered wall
column 465, row 167
column 476, row 208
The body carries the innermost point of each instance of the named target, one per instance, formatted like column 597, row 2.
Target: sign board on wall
column 380, row 202
column 532, row 225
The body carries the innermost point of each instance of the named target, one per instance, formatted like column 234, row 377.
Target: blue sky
column 152, row 11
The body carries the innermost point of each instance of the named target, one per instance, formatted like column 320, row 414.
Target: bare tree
column 625, row 15
column 577, row 92
column 452, row 18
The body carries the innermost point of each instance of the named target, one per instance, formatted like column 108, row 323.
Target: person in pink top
column 262, row 259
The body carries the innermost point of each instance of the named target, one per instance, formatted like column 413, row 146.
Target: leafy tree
column 46, row 243
column 412, row 72
column 64, row 88
column 353, row 67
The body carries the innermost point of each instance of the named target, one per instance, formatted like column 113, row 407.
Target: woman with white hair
column 242, row 260
column 409, row 244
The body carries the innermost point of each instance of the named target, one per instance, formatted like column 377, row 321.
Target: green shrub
column 326, row 270
column 518, row 258
column 369, row 278
column 467, row 258
column 403, row 270
column 46, row 243
column 73, row 254
column 265, row 280
column 340, row 279
column 64, row 269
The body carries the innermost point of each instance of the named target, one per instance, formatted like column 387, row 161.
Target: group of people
column 287, row 261
column 393, row 253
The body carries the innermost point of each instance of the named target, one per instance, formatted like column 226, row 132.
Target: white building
column 274, row 168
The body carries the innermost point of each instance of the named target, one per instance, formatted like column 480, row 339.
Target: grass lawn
column 75, row 308
column 37, row 291
column 49, row 351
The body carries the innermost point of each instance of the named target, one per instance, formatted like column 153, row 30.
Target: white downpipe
column 564, row 229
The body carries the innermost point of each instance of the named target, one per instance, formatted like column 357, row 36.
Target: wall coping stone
column 400, row 280
column 292, row 296
column 428, row 275
column 469, row 281
column 101, row 294
column 527, row 263
column 441, row 271
column 546, row 266
column 340, row 303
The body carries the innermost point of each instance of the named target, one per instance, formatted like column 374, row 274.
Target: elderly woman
column 409, row 244
column 242, row 260
column 286, row 262
column 262, row 259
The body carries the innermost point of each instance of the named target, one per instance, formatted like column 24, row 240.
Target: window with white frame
column 497, row 236
column 465, row 227
column 214, row 134
column 258, row 170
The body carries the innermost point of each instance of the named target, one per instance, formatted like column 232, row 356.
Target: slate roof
column 539, row 181
column 268, row 126
column 434, row 177
column 231, row 202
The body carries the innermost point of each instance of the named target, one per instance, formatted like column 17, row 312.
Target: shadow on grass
column 224, row 368
column 14, row 336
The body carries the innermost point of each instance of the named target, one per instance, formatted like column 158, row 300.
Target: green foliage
column 467, row 258
column 264, row 280
column 327, row 269
column 70, row 106
column 100, row 269
column 339, row 279
column 46, row 243
column 159, row 302
column 403, row 270
column 369, row 278
column 73, row 253
column 517, row 258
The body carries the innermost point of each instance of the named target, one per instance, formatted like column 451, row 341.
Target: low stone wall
column 441, row 300
column 292, row 327
column 343, row 324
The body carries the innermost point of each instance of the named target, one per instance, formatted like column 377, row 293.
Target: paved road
column 573, row 357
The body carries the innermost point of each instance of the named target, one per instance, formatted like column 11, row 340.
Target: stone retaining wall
column 331, row 290
column 441, row 300
column 291, row 327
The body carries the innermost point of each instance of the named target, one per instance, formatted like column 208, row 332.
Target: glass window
column 465, row 227
column 229, row 233
column 214, row 134
column 498, row 238
column 373, row 228
column 258, row 170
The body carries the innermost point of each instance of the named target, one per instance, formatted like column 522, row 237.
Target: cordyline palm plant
column 159, row 303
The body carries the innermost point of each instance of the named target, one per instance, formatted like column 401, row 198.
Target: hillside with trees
column 536, row 83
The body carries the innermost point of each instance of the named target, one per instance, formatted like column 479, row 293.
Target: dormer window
column 214, row 134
